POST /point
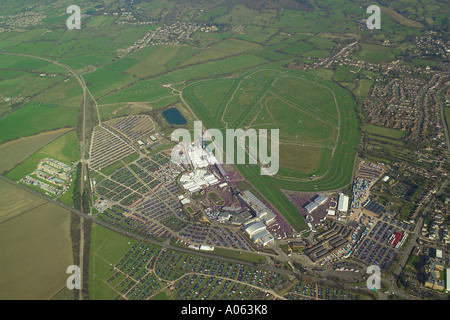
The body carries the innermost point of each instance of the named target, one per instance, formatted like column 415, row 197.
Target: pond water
column 173, row 116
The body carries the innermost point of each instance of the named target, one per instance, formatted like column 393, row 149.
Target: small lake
column 173, row 116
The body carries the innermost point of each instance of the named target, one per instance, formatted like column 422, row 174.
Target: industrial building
column 224, row 217
column 202, row 247
column 185, row 201
column 197, row 157
column 193, row 153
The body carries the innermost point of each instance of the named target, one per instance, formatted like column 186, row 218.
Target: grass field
column 387, row 132
column 64, row 148
column 240, row 14
column 101, row 81
column 34, row 118
column 447, row 117
column 375, row 53
column 18, row 150
column 299, row 158
column 67, row 94
column 107, row 247
column 245, row 256
column 27, row 85
column 401, row 19
column 225, row 48
column 143, row 91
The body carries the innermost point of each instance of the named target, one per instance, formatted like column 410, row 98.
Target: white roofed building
column 185, row 201
column 258, row 233
column 343, row 203
column 310, row 207
column 194, row 181
column 320, row 199
column 254, row 227
column 257, row 206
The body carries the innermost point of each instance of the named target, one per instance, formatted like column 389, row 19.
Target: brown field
column 36, row 246
column 14, row 201
column 18, row 150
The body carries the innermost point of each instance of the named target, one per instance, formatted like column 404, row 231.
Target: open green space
column 34, row 118
column 447, row 117
column 107, row 248
column 225, row 48
column 20, row 149
column 244, row 256
column 101, row 81
column 386, row 132
column 375, row 53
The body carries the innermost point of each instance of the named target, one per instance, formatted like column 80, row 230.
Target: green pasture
column 143, row 91
column 67, row 93
column 387, row 132
column 375, row 53
column 225, row 48
column 35, row 117
column 26, row 85
column 102, row 81
column 107, row 248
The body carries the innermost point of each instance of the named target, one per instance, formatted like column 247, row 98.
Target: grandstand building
column 221, row 171
column 257, row 207
column 320, row 199
column 258, row 233
column 195, row 181
column 310, row 207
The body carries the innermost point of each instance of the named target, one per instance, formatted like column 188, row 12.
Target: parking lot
column 314, row 291
column 382, row 243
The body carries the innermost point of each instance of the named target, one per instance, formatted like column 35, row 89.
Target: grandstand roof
column 310, row 207
column 320, row 199
column 254, row 227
